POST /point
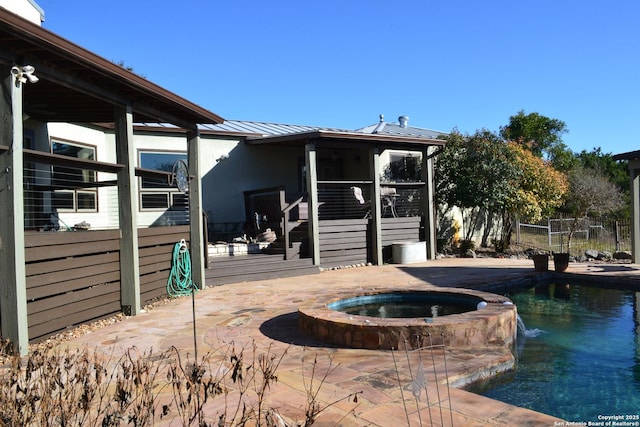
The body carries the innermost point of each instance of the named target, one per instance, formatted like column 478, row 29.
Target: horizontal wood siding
column 343, row 242
column 155, row 249
column 72, row 278
column 402, row 229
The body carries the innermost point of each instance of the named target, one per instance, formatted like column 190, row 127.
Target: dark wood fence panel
column 155, row 247
column 343, row 242
column 72, row 278
column 402, row 229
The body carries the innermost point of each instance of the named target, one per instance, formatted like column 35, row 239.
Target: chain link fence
column 600, row 234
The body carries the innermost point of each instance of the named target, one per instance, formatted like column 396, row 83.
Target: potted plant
column 560, row 261
column 540, row 261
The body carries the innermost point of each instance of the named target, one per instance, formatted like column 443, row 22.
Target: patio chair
column 389, row 196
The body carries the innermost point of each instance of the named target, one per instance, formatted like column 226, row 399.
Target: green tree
column 561, row 157
column 474, row 173
column 536, row 192
column 617, row 172
column 489, row 178
column 540, row 134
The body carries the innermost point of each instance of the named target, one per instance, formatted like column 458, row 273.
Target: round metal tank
column 408, row 252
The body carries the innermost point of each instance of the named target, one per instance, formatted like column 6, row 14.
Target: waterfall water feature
column 528, row 333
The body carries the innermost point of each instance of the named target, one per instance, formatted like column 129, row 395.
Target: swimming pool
column 586, row 363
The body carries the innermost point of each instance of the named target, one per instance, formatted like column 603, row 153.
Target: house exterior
column 89, row 229
column 254, row 158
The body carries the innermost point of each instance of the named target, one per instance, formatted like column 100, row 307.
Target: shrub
column 500, row 245
column 466, row 245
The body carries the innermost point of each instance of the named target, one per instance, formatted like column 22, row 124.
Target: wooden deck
column 243, row 268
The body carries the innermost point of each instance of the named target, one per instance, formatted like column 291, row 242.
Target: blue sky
column 449, row 64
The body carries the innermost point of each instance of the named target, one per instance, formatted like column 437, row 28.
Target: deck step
column 243, row 268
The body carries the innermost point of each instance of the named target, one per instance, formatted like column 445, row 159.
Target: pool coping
column 493, row 325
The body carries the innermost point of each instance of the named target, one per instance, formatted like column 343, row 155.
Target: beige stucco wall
column 243, row 169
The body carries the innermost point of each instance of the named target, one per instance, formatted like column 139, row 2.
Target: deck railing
column 287, row 228
column 66, row 193
column 338, row 200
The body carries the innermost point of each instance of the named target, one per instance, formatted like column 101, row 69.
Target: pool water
column 585, row 363
column 406, row 305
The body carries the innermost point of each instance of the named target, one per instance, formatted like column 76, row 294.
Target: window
column 73, row 190
column 403, row 168
column 156, row 193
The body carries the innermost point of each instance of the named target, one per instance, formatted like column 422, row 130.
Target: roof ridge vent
column 380, row 125
column 404, row 121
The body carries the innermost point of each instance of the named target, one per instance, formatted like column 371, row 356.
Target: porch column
column 428, row 202
column 196, row 229
column 376, row 209
column 128, row 212
column 312, row 191
column 634, row 172
column 13, row 286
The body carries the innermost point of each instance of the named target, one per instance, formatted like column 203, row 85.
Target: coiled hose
column 180, row 282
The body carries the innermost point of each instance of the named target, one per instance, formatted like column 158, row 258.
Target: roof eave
column 351, row 136
column 631, row 155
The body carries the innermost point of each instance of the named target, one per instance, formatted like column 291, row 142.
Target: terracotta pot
column 561, row 261
column 540, row 262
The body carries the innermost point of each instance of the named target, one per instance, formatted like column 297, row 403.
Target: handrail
column 72, row 162
column 285, row 227
column 265, row 190
column 293, row 205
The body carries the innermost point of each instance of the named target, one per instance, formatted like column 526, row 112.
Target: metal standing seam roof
column 387, row 128
column 276, row 129
column 263, row 128
column 258, row 133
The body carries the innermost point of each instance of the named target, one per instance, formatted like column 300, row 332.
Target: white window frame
column 170, row 192
column 76, row 192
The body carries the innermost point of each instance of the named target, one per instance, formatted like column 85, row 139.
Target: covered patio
column 350, row 205
column 48, row 79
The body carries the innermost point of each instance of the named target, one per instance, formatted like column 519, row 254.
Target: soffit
column 343, row 139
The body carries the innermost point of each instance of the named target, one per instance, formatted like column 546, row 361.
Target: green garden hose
column 180, row 282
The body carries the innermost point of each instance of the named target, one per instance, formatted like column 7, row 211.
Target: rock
column 591, row 253
column 604, row 256
column 470, row 253
column 622, row 255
